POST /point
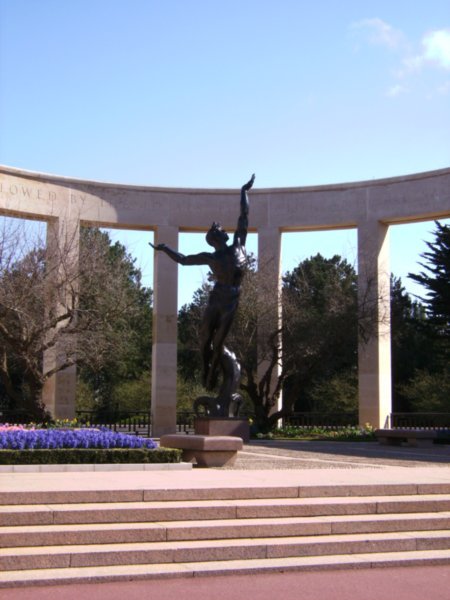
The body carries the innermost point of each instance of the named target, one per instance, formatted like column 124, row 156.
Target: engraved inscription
column 24, row 191
column 74, row 198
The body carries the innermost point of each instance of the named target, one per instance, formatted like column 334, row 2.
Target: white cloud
column 436, row 45
column 411, row 64
column 396, row 90
column 377, row 31
column 431, row 53
column 444, row 89
column 435, row 51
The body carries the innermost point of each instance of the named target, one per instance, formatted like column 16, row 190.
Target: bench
column 411, row 437
column 206, row 450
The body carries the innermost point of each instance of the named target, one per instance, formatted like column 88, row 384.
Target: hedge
column 60, row 456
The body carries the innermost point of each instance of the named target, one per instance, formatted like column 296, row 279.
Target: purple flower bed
column 37, row 439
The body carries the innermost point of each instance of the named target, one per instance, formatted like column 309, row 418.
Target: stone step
column 221, row 531
column 53, row 557
column 114, row 533
column 21, row 515
column 33, row 577
column 223, row 493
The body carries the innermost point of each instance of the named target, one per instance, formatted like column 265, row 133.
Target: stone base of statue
column 205, row 450
column 223, row 426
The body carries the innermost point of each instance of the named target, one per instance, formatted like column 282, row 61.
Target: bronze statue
column 227, row 264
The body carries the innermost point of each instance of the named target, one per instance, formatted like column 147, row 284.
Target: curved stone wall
column 421, row 196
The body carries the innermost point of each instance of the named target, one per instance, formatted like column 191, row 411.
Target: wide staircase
column 86, row 536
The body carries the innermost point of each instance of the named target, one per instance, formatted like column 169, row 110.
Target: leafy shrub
column 89, row 456
column 364, row 434
column 428, row 392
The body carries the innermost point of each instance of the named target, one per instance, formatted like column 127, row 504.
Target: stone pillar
column 59, row 390
column 374, row 352
column 269, row 263
column 164, row 353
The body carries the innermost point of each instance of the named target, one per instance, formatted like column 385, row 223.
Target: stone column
column 63, row 242
column 374, row 352
column 164, row 353
column 269, row 262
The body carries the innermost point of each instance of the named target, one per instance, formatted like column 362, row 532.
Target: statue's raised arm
column 242, row 224
column 204, row 258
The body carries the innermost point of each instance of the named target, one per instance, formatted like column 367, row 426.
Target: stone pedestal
column 205, row 450
column 223, row 426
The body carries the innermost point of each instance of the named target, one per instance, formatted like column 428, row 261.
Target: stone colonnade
column 369, row 206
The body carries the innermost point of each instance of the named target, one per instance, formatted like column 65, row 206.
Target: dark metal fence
column 419, row 421
column 14, row 416
column 134, row 423
column 185, row 422
column 316, row 419
column 139, row 423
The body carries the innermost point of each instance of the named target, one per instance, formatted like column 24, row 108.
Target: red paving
column 407, row 583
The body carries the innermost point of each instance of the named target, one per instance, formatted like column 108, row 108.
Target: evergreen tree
column 320, row 334
column 118, row 378
column 428, row 389
column 436, row 279
column 411, row 342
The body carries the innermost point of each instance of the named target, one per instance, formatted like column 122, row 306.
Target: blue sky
column 203, row 93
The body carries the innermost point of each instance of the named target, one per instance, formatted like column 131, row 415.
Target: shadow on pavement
column 371, row 451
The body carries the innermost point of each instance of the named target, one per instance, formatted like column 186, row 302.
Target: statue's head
column 216, row 236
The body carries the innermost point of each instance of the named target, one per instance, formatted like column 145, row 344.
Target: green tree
column 411, row 343
column 189, row 320
column 427, row 390
column 321, row 334
column 435, row 278
column 52, row 300
column 119, row 376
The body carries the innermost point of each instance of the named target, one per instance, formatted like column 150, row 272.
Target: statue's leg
column 206, row 339
column 235, row 405
column 218, row 344
column 231, row 372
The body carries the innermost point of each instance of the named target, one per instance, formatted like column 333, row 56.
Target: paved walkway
column 407, row 583
column 274, row 463
column 292, row 454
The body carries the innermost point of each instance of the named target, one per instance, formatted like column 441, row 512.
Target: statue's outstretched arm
column 204, row 258
column 242, row 225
